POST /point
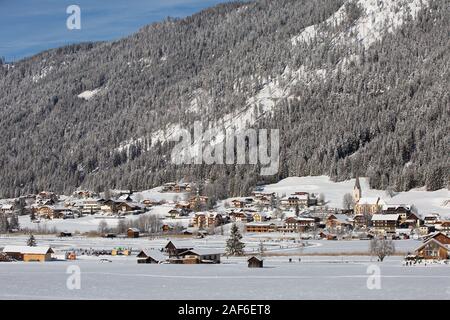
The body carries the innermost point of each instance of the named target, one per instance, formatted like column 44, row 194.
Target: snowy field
column 312, row 278
column 272, row 244
column 321, row 270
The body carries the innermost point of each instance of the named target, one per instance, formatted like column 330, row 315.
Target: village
column 297, row 218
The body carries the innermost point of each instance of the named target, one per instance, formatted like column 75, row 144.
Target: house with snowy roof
column 29, row 254
column 385, row 223
column 436, row 246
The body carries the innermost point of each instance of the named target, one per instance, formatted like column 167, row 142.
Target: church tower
column 357, row 190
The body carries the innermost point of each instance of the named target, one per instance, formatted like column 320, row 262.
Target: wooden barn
column 29, row 254
column 133, row 233
column 151, row 257
column 255, row 262
column 200, row 256
column 175, row 249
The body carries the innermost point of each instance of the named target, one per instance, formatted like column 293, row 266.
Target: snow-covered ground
column 312, row 278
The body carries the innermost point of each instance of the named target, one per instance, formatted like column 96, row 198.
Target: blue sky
column 31, row 26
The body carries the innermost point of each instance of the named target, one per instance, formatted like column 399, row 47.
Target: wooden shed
column 133, row 233
column 255, row 262
column 28, row 254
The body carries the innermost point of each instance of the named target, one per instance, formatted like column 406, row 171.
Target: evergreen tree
column 234, row 245
column 31, row 242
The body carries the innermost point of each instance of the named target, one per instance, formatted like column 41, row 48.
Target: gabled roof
column 27, row 250
column 152, row 253
column 200, row 252
column 369, row 200
column 443, row 245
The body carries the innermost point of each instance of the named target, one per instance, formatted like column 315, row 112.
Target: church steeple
column 357, row 190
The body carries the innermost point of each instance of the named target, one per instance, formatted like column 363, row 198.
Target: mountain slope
column 355, row 87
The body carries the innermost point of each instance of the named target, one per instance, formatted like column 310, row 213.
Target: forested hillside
column 355, row 87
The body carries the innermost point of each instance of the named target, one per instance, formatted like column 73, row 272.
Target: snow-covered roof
column 385, row 217
column 396, row 206
column 155, row 254
column 369, row 200
column 27, row 250
column 202, row 252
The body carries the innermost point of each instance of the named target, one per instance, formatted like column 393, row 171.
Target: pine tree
column 4, row 224
column 261, row 249
column 31, row 242
column 234, row 245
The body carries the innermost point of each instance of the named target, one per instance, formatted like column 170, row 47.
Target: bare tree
column 381, row 248
column 347, row 201
column 102, row 227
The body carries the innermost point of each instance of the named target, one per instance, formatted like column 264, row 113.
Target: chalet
column 7, row 208
column 427, row 229
column 238, row 203
column 259, row 195
column 385, row 223
column 90, row 206
column 262, row 227
column 443, row 226
column 369, row 205
column 133, row 233
column 301, row 224
column 412, row 221
column 177, row 213
column 300, row 199
column 84, row 194
column 240, row 216
column 175, row 249
column 200, row 256
column 199, row 220
column 45, row 212
column 359, row 221
column 198, row 201
column 215, row 219
column 28, row 254
column 401, row 209
column 435, row 246
column 260, row 217
column 151, row 257
column 338, row 221
column 255, row 262
column 431, row 218
column 46, row 195
column 185, row 205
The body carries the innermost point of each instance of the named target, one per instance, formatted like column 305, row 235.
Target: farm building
column 175, row 249
column 133, row 233
column 151, row 256
column 28, row 254
column 255, row 262
column 200, row 256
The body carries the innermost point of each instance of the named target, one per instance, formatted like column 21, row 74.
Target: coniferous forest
column 384, row 114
